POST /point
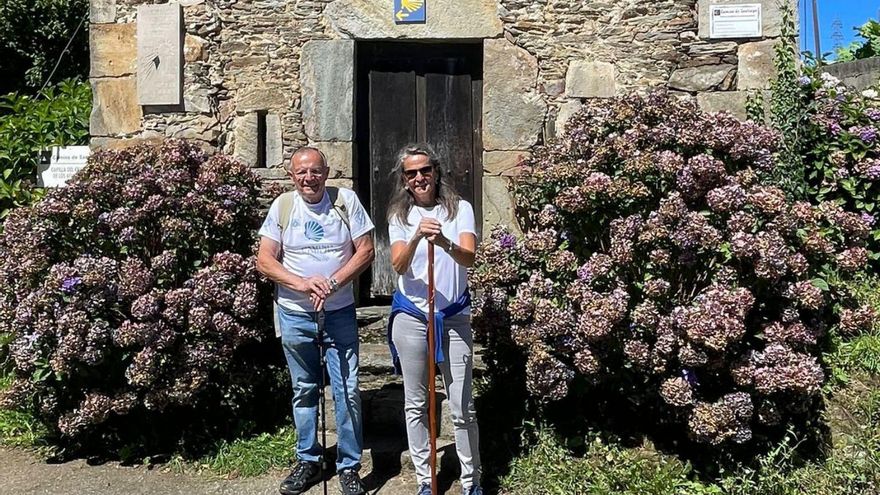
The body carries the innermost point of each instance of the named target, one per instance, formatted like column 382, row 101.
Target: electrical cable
column 61, row 56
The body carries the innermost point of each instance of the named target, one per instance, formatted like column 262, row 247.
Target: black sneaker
column 301, row 478
column 350, row 482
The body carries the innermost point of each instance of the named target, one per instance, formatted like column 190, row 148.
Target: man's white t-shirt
column 317, row 242
column 450, row 278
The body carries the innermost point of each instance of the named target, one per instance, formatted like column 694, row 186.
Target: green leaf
column 820, row 283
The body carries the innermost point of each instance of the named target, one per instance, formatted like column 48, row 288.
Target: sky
column 850, row 13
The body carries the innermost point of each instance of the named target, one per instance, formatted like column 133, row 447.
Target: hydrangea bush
column 133, row 290
column 842, row 147
column 653, row 255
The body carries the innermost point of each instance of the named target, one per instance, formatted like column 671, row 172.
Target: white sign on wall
column 735, row 21
column 62, row 163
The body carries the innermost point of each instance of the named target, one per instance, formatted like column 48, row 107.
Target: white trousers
column 409, row 336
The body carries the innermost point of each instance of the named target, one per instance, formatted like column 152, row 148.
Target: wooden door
column 410, row 92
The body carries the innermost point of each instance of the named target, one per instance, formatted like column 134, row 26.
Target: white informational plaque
column 63, row 162
column 735, row 21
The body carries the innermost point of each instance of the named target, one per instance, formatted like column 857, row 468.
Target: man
column 324, row 244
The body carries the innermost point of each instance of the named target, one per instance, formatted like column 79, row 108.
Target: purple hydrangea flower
column 507, row 241
column 867, row 134
column 868, row 218
column 804, row 80
column 70, row 284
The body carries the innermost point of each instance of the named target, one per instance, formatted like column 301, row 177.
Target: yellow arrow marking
column 401, row 15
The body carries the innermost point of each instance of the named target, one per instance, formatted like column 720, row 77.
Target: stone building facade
column 281, row 72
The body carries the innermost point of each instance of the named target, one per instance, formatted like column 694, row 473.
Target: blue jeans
column 299, row 338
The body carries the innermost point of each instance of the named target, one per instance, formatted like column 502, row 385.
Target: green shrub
column 28, row 125
column 870, row 32
column 132, row 295
column 33, row 35
column 656, row 268
column 841, row 146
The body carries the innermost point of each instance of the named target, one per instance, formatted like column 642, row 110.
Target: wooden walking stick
column 432, row 419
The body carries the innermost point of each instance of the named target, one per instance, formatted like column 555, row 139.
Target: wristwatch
column 334, row 285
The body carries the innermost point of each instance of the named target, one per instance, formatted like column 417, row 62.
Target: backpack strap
column 339, row 206
column 286, row 203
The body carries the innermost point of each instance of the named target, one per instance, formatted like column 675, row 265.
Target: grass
column 853, row 466
column 246, row 457
column 19, row 429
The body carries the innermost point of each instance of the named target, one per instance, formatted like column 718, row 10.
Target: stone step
column 375, row 359
column 382, row 408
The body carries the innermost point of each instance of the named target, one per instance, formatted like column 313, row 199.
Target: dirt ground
column 24, row 473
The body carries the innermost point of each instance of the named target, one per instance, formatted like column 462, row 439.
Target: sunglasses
column 426, row 171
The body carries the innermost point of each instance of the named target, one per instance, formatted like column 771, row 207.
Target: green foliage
column 17, row 428
column 851, row 466
column 605, row 468
column 859, row 353
column 60, row 117
column 870, row 31
column 253, row 456
column 33, row 35
column 788, row 111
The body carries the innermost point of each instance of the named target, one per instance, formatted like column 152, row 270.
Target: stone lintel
column 372, row 19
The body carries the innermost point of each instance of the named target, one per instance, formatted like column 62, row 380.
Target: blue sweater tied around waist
column 401, row 304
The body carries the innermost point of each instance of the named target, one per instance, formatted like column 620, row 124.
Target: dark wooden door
column 410, row 92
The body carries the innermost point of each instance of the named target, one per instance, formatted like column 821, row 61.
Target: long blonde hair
column 402, row 199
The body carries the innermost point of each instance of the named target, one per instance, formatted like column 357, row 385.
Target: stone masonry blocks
column 756, row 69
column 113, row 50
column 586, row 79
column 513, row 111
column 327, row 81
column 115, row 110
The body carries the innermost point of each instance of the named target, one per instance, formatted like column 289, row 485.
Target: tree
column 33, row 35
column 870, row 31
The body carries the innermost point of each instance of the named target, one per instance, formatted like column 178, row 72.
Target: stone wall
column 858, row 74
column 289, row 66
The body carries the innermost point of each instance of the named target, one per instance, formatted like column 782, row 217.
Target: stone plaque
column 735, row 21
column 160, row 54
column 60, row 165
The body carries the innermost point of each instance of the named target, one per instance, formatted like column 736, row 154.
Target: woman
column 425, row 208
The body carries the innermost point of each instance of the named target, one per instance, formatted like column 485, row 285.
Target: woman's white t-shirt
column 317, row 242
column 450, row 278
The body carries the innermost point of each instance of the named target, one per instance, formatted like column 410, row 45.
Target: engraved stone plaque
column 160, row 54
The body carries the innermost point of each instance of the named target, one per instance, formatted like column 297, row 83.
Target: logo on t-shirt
column 313, row 231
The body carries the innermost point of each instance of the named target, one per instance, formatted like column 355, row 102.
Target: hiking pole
column 322, row 416
column 432, row 420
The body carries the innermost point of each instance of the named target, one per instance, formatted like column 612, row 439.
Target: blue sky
column 850, row 13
